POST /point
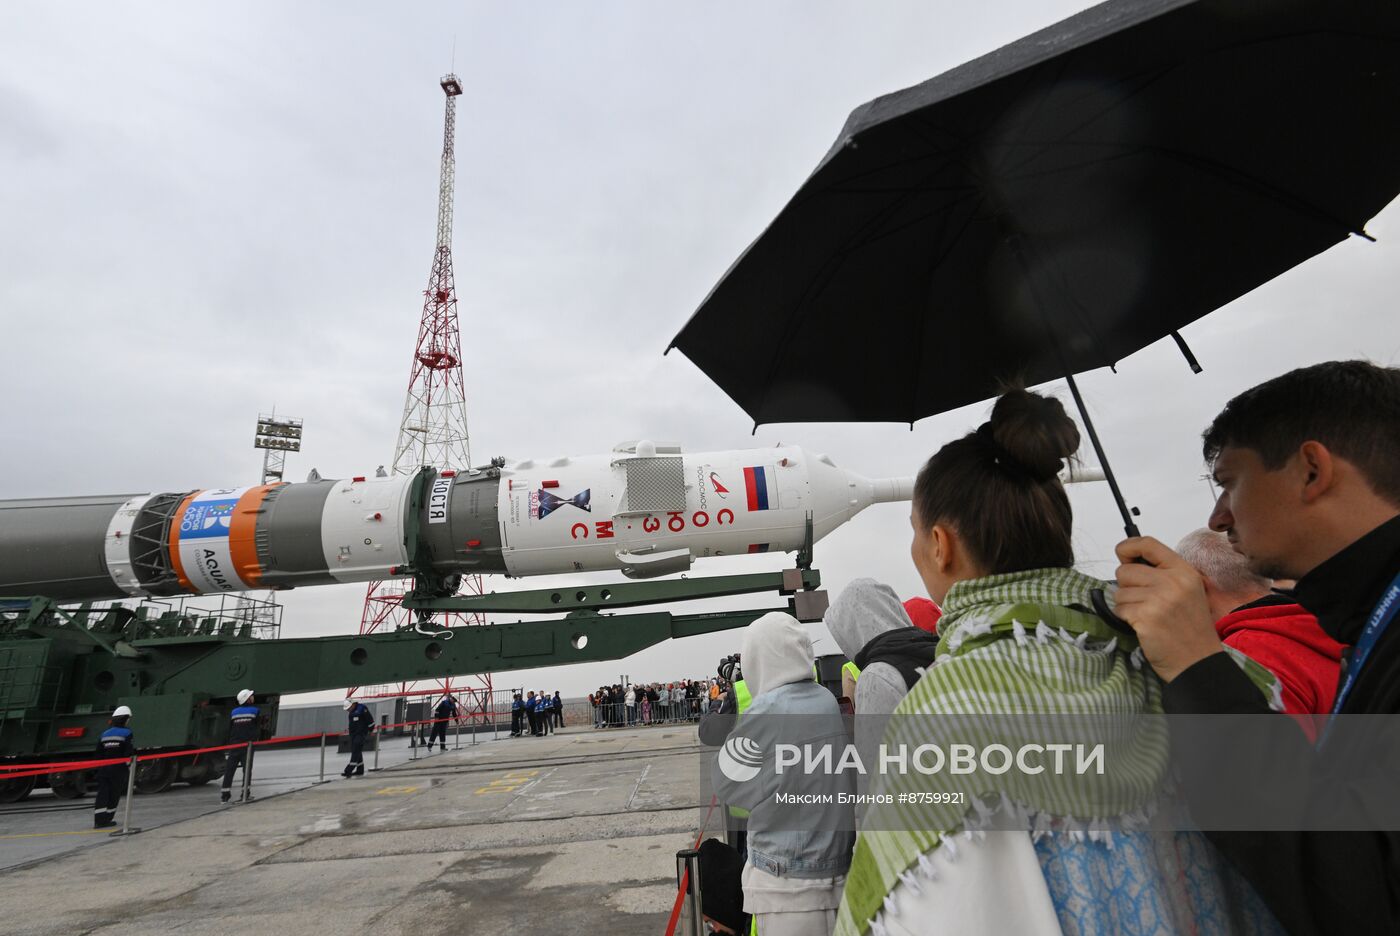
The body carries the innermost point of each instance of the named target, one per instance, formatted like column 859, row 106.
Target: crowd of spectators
column 618, row 706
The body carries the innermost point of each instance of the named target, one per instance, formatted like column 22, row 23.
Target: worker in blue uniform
column 116, row 741
column 446, row 709
column 517, row 716
column 361, row 724
column 243, row 727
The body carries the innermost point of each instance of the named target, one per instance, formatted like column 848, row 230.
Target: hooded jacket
column 777, row 655
column 1283, row 637
column 865, row 610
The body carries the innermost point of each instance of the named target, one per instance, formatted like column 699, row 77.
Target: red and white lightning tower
column 433, row 430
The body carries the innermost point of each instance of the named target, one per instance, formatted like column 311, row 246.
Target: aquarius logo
column 208, row 519
column 740, row 759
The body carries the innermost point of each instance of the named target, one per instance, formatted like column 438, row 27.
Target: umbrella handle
column 1101, row 608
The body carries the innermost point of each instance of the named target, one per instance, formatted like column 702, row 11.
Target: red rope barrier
column 56, row 764
column 191, row 753
column 17, row 771
column 68, row 767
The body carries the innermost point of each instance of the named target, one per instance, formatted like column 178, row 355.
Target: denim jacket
column 809, row 841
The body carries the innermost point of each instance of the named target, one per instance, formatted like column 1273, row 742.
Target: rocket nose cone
column 888, row 490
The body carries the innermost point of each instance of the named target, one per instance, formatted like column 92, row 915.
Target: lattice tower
column 433, row 430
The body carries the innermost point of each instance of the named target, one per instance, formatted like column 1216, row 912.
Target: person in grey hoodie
column 797, row 856
column 874, row 631
column 866, row 610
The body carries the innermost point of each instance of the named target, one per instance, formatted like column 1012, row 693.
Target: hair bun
column 1034, row 431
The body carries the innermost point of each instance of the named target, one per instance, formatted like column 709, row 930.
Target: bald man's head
column 1229, row 581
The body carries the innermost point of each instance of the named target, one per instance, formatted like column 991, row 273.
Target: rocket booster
column 644, row 509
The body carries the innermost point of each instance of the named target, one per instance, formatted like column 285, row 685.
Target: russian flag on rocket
column 760, row 487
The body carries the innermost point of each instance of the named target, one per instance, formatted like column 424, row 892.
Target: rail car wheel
column 201, row 770
column 12, row 791
column 71, row 784
column 155, row 776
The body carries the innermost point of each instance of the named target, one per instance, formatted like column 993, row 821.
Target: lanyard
column 1376, row 624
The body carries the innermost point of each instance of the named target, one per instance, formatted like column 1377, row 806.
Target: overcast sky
column 211, row 210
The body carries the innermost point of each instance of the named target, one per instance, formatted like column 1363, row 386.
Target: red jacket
column 1287, row 641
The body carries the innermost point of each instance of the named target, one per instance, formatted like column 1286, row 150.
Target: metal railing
column 622, row 715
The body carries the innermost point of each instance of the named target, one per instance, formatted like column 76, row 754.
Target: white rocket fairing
column 651, row 510
column 644, row 509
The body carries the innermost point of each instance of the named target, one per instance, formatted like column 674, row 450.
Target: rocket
column 644, row 509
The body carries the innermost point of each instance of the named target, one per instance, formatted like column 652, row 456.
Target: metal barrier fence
column 622, row 715
column 32, row 769
column 481, row 715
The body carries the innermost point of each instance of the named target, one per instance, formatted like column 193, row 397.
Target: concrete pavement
column 44, row 825
column 575, row 833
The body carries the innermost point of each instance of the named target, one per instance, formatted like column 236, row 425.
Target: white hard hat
column 244, row 695
column 349, row 704
column 121, row 711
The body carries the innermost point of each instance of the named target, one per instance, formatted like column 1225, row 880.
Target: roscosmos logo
column 719, row 487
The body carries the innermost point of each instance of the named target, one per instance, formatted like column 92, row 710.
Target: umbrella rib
column 1210, row 167
column 918, row 344
column 945, row 146
column 912, row 222
column 1141, row 82
column 819, row 282
column 1085, row 317
column 897, row 190
column 1282, row 196
column 1031, row 78
column 881, row 169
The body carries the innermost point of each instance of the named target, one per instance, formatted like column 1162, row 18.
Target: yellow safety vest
column 849, row 667
column 742, row 700
column 741, row 694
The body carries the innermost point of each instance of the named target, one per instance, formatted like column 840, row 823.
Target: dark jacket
column 116, row 741
column 1314, row 882
column 908, row 649
column 361, row 719
column 243, row 724
column 447, row 708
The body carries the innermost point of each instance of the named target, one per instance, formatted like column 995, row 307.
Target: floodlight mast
column 276, row 436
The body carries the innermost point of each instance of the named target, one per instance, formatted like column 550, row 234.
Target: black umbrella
column 1059, row 204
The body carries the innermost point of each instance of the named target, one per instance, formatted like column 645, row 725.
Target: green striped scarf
column 1019, row 644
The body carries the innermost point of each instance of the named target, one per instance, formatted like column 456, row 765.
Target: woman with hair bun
column 1019, row 644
